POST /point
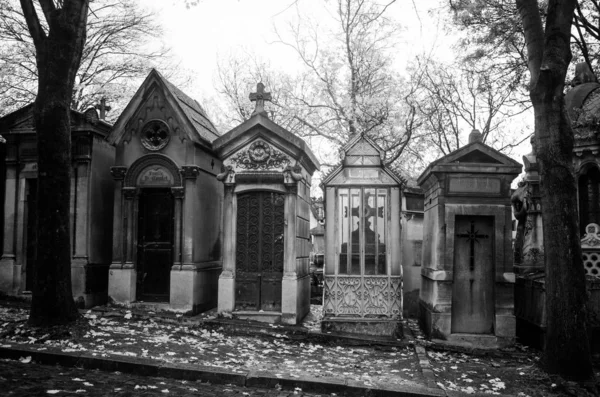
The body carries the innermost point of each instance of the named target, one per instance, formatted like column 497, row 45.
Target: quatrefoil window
column 155, row 135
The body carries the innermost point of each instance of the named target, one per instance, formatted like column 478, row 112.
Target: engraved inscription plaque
column 474, row 185
column 155, row 175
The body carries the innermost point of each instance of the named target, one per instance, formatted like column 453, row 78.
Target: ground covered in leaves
column 124, row 335
column 119, row 332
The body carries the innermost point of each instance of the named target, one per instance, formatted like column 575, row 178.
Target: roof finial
column 260, row 96
column 475, row 136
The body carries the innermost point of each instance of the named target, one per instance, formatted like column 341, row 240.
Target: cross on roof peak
column 260, row 96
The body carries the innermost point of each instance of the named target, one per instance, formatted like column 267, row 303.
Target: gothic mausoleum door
column 259, row 251
column 473, row 286
column 155, row 244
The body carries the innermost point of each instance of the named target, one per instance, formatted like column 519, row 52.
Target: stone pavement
column 274, row 357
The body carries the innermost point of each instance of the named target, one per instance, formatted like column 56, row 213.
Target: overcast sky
column 200, row 34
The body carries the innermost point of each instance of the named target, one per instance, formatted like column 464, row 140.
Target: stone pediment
column 476, row 157
column 21, row 122
column 259, row 155
column 158, row 99
column 259, row 144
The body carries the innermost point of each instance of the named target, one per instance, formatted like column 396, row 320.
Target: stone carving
column 260, row 96
column 118, row 173
column 292, row 174
column 154, row 159
column 155, row 135
column 178, row 192
column 260, row 156
column 362, row 296
column 528, row 246
column 591, row 237
column 227, row 174
column 155, row 175
column 190, row 171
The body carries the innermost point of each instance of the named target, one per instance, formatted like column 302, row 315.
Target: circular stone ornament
column 259, row 152
column 155, row 135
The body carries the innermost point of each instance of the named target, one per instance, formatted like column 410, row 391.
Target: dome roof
column 582, row 98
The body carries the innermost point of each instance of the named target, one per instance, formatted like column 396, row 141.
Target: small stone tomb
column 363, row 274
column 467, row 274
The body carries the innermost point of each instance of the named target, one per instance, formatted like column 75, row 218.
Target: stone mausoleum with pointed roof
column 167, row 201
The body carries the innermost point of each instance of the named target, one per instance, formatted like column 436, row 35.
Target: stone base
column 363, row 326
column 194, row 290
column 122, row 285
column 295, row 302
column 477, row 341
column 434, row 324
column 226, row 301
column 89, row 284
column 263, row 317
column 10, row 276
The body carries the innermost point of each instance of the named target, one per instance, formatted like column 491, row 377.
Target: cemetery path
column 275, row 357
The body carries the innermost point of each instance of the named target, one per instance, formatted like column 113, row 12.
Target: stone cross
column 472, row 236
column 260, row 96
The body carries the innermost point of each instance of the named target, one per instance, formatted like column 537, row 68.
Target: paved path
column 31, row 379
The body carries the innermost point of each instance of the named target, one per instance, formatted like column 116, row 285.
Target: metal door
column 259, row 251
column 473, row 284
column 155, row 244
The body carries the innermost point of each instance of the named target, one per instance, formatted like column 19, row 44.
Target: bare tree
column 120, row 46
column 58, row 51
column 348, row 85
column 454, row 99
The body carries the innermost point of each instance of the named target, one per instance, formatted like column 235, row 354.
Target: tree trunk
column 567, row 350
column 58, row 54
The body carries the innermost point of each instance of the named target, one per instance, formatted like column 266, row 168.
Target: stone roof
column 195, row 113
column 198, row 127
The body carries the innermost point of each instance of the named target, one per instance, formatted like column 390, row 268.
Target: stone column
column 178, row 194
column 289, row 286
column 81, row 212
column 226, row 301
column 129, row 194
column 122, row 274
column 7, row 263
column 189, row 174
column 118, row 173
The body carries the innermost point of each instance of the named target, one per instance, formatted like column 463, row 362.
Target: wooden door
column 155, row 244
column 259, row 251
column 473, row 285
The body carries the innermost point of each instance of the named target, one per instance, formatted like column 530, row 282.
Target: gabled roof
column 250, row 129
column 21, row 121
column 474, row 157
column 363, row 146
column 199, row 128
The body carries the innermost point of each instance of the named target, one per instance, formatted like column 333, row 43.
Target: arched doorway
column 155, row 244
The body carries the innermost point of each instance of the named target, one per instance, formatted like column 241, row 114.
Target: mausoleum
column 91, row 204
column 266, row 175
column 363, row 273
column 167, row 201
column 467, row 272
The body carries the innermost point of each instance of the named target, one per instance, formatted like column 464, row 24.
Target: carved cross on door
column 260, row 96
column 472, row 236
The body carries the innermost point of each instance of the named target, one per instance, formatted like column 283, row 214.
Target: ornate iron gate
column 259, row 251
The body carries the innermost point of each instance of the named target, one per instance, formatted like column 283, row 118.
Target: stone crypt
column 91, row 209
column 266, row 243
column 363, row 272
column 167, row 201
column 467, row 271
